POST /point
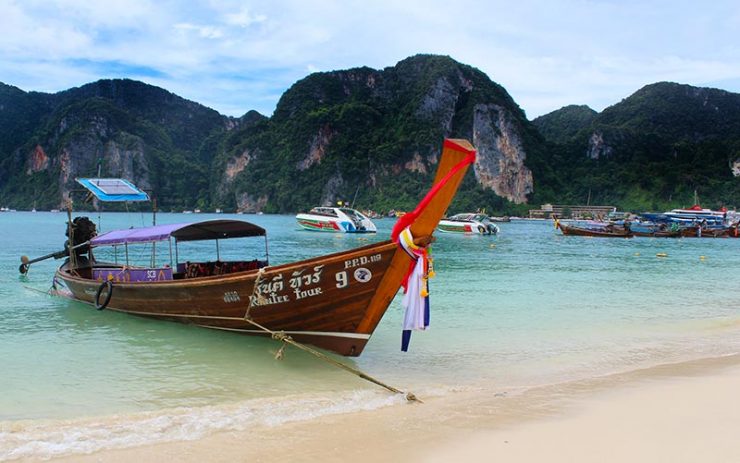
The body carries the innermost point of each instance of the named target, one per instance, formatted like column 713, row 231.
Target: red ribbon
column 409, row 218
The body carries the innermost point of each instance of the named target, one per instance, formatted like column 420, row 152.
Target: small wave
column 49, row 439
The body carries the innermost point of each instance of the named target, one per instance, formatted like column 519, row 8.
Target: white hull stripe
column 329, row 334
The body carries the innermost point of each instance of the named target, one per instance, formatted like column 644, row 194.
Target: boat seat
column 205, row 269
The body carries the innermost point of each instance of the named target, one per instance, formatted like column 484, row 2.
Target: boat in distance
column 336, row 220
column 608, row 231
column 334, row 301
column 468, row 223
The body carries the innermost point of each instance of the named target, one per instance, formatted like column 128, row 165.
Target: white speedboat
column 336, row 220
column 472, row 224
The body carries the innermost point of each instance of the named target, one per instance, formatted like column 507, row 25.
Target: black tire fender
column 482, row 230
column 106, row 284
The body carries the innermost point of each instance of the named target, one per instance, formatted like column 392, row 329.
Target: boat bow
column 457, row 155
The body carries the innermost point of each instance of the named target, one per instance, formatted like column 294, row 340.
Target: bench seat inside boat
column 204, row 269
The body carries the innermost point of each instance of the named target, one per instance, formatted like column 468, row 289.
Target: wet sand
column 684, row 412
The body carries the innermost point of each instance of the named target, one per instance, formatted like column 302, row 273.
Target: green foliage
column 668, row 141
column 563, row 125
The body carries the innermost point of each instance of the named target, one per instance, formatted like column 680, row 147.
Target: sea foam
column 47, row 439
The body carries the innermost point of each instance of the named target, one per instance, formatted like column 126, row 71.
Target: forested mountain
column 371, row 137
column 131, row 129
column 563, row 125
column 650, row 151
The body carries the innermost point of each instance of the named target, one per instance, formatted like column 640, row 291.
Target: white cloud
column 206, row 32
column 244, row 18
column 236, row 55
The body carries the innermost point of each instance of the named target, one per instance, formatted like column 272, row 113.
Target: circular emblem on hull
column 363, row 275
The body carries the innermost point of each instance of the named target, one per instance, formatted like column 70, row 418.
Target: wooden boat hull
column 693, row 232
column 578, row 231
column 321, row 301
column 659, row 234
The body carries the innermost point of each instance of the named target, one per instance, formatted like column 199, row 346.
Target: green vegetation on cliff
column 651, row 151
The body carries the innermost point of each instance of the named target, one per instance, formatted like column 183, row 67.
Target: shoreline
column 673, row 412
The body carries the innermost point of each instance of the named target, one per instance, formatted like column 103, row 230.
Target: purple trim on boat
column 131, row 275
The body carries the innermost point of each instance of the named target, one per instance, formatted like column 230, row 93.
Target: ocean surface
column 525, row 308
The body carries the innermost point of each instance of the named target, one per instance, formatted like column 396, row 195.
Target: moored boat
column 468, row 223
column 336, row 220
column 334, row 301
column 655, row 230
column 607, row 231
column 658, row 233
column 703, row 231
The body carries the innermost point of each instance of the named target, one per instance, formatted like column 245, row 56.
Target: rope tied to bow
column 286, row 339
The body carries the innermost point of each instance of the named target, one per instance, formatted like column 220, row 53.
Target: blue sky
column 234, row 56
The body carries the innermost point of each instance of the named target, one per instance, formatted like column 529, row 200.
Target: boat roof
column 194, row 231
column 468, row 217
column 333, row 208
column 113, row 189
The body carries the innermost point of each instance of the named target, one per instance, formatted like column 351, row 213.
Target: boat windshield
column 468, row 217
column 352, row 214
column 327, row 211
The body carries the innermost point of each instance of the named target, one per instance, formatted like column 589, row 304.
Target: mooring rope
column 256, row 295
column 40, row 291
column 282, row 336
column 286, row 339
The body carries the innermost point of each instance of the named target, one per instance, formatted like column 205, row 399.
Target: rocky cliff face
column 597, row 147
column 374, row 134
column 38, row 161
column 500, row 163
column 317, row 148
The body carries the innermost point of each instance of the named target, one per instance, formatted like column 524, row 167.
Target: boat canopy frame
column 207, row 230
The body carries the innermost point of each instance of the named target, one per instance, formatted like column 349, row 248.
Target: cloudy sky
column 238, row 55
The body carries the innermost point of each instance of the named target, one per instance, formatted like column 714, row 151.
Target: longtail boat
column 707, row 232
column 658, row 233
column 653, row 230
column 334, row 301
column 604, row 232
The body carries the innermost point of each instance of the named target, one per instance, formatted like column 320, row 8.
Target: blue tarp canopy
column 113, row 189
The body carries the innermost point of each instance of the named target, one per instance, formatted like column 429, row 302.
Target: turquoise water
column 524, row 308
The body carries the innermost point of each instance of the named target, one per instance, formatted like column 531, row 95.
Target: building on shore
column 549, row 211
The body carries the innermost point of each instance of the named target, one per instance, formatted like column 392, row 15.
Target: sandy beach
column 685, row 412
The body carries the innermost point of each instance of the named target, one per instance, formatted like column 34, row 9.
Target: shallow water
column 527, row 307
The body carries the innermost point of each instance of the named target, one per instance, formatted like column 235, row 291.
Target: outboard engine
column 83, row 230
